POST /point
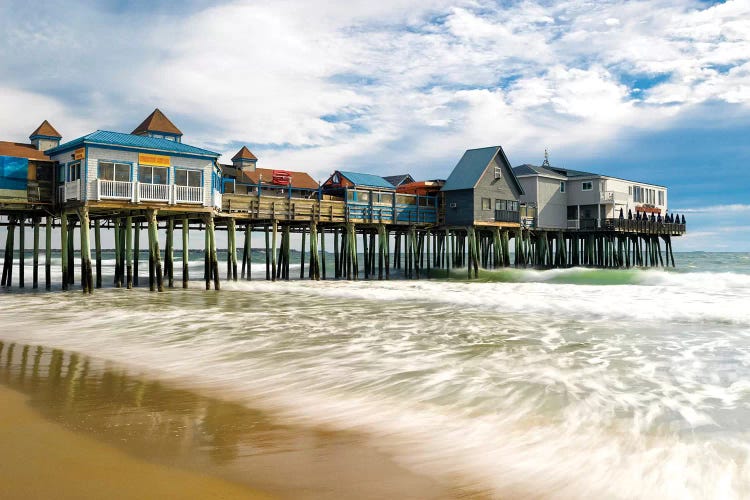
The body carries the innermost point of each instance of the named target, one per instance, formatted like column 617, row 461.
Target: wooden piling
column 21, row 251
column 136, row 250
column 323, row 252
column 71, row 252
column 273, row 250
column 118, row 269
column 128, row 252
column 245, row 254
column 268, row 256
column 302, row 254
column 87, row 276
column 48, row 253
column 35, row 257
column 155, row 270
column 185, row 251
column 64, row 249
column 98, row 252
column 169, row 253
column 214, row 256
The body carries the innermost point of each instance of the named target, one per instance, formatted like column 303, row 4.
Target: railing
column 153, row 192
column 120, row 190
column 573, row 224
column 71, row 190
column 188, row 194
column 632, row 226
column 507, row 216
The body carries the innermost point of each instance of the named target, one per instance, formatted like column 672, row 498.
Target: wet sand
column 77, row 427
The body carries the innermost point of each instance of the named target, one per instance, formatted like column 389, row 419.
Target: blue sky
column 656, row 90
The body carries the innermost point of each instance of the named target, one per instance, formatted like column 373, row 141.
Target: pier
column 141, row 188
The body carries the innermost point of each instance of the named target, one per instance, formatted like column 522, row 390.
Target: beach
column 565, row 383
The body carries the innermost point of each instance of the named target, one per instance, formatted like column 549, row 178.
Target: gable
column 473, row 166
column 498, row 176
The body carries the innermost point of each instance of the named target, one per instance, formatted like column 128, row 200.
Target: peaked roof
column 370, row 180
column 528, row 169
column 244, row 154
column 45, row 129
column 21, row 150
column 397, row 180
column 472, row 165
column 156, row 122
column 107, row 138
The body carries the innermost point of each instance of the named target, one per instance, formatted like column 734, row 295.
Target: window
column 386, row 198
column 153, row 175
column 185, row 177
column 486, row 204
column 498, row 172
column 74, row 171
column 508, row 205
column 638, row 194
column 500, row 205
column 587, row 186
column 111, row 171
column 630, row 190
column 661, row 197
column 562, row 186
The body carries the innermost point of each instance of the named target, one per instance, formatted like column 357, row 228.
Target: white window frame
column 188, row 171
column 115, row 165
column 590, row 186
column 562, row 186
column 489, row 204
column 152, row 174
column 498, row 172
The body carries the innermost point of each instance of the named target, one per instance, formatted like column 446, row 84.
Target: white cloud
column 714, row 209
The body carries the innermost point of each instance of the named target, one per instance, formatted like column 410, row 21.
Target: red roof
column 300, row 180
column 244, row 154
column 21, row 150
column 156, row 122
column 46, row 129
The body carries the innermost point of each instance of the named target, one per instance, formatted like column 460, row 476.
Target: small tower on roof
column 244, row 160
column 545, row 163
column 45, row 137
column 157, row 125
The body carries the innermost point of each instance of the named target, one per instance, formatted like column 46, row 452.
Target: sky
column 656, row 91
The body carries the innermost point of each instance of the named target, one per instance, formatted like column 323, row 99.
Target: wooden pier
column 363, row 248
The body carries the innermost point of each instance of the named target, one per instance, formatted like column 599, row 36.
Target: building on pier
column 371, row 198
column 244, row 177
column 26, row 172
column 398, row 180
column 573, row 199
column 482, row 190
column 150, row 167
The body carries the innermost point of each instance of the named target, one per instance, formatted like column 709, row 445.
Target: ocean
column 563, row 383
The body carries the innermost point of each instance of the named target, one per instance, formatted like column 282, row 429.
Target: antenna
column 546, row 158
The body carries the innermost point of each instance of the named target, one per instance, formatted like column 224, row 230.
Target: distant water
column 565, row 383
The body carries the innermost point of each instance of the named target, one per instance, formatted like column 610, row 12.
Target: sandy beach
column 76, row 427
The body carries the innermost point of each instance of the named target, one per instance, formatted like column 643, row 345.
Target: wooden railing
column 632, row 226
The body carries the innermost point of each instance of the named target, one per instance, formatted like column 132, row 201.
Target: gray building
column 482, row 190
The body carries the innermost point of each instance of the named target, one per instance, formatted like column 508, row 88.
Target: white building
column 566, row 198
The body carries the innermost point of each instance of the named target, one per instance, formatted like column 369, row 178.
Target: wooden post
column 169, row 254
column 275, row 230
column 87, row 276
column 35, row 257
column 71, row 252
column 302, row 254
column 268, row 256
column 185, row 250
column 48, row 253
column 155, row 270
column 98, row 252
column 118, row 271
column 206, row 254
column 21, row 251
column 64, row 249
column 214, row 257
column 245, row 250
column 323, row 251
column 337, row 262
column 128, row 252
column 8, row 261
column 136, row 251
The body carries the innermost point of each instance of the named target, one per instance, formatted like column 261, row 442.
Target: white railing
column 188, row 194
column 573, row 224
column 120, row 190
column 153, row 192
column 217, row 199
column 72, row 190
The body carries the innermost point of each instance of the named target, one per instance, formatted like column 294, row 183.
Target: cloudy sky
column 656, row 90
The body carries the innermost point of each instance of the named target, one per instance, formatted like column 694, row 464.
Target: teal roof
column 105, row 138
column 369, row 180
column 472, row 165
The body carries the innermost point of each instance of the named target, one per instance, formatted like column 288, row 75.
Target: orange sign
column 79, row 154
column 154, row 160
